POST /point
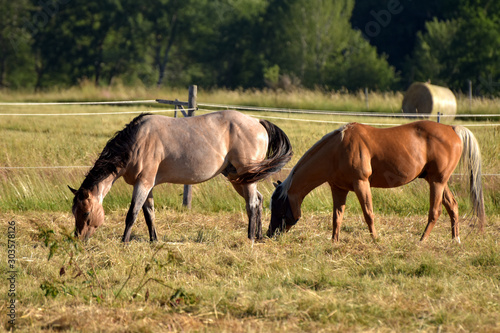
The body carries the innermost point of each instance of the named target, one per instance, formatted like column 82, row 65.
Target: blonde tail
column 471, row 163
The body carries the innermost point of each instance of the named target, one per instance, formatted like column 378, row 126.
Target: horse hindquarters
column 278, row 153
column 441, row 194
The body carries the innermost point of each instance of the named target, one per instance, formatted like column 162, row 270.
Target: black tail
column 279, row 153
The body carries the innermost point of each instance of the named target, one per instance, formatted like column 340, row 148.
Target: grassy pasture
column 204, row 275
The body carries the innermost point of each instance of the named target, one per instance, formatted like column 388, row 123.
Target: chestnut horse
column 155, row 149
column 356, row 157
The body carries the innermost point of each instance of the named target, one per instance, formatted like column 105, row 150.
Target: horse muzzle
column 84, row 236
column 277, row 225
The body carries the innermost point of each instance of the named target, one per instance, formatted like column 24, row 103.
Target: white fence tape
column 238, row 107
column 341, row 113
column 344, row 122
column 145, row 101
column 90, row 113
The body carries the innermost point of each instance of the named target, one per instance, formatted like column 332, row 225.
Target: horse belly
column 189, row 169
column 388, row 180
column 388, row 176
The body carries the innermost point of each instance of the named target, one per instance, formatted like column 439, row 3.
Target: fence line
column 250, row 108
column 89, row 113
column 145, row 101
column 344, row 122
column 239, row 107
column 340, row 113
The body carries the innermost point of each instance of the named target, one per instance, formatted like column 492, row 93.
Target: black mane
column 116, row 153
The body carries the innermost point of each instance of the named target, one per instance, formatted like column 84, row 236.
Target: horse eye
column 86, row 214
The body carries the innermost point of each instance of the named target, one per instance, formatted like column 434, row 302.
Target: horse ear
column 82, row 195
column 277, row 184
column 72, row 189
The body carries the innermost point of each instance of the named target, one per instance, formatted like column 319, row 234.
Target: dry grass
column 204, row 275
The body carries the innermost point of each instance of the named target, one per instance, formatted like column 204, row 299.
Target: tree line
column 330, row 44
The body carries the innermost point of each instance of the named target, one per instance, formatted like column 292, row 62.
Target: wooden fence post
column 192, row 105
column 366, row 99
column 470, row 95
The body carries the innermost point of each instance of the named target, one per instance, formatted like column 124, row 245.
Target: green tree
column 433, row 52
column 317, row 44
column 229, row 44
column 360, row 66
column 87, row 40
column 466, row 48
column 476, row 47
column 165, row 24
column 317, row 31
column 15, row 43
column 392, row 25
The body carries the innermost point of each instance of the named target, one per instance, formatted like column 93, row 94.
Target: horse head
column 88, row 212
column 282, row 218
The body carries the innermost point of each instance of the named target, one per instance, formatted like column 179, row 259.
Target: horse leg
column 139, row 196
column 339, row 199
column 364, row 194
column 149, row 214
column 253, row 200
column 436, row 198
column 451, row 206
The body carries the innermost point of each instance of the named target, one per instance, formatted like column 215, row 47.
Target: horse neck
column 101, row 189
column 309, row 173
column 105, row 186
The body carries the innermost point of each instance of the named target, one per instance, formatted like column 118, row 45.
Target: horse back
column 394, row 156
column 195, row 149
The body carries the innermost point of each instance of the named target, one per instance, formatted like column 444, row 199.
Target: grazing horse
column 356, row 157
column 155, row 149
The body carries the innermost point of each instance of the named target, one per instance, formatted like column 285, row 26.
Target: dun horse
column 356, row 157
column 154, row 149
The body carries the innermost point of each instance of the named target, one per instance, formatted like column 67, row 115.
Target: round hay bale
column 425, row 98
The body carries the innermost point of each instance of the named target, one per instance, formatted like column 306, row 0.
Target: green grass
column 203, row 274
